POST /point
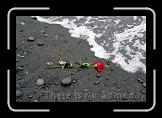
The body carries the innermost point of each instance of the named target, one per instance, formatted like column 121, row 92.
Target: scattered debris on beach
column 40, row 82
column 66, row 81
column 31, row 39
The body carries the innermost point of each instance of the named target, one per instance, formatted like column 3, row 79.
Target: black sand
column 53, row 43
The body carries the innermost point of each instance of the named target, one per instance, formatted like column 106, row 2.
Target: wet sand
column 52, row 43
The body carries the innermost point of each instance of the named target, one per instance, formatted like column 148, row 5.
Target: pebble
column 74, row 81
column 140, row 80
column 21, row 30
column 144, row 84
column 20, row 68
column 143, row 91
column 18, row 93
column 111, row 69
column 55, row 83
column 56, row 37
column 49, row 64
column 22, row 23
column 40, row 82
column 108, row 63
column 40, row 43
column 86, row 90
column 46, row 34
column 20, row 56
column 98, row 75
column 30, row 96
column 31, row 39
column 72, row 73
column 97, row 82
column 66, row 81
column 65, row 42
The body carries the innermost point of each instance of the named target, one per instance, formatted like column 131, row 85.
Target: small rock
column 56, row 37
column 72, row 73
column 49, row 65
column 143, row 91
column 20, row 68
column 97, row 82
column 40, row 82
column 20, row 56
column 65, row 42
column 140, row 80
column 86, row 90
column 66, row 81
column 18, row 93
column 46, row 34
column 98, row 75
column 74, row 81
column 21, row 30
column 22, row 23
column 30, row 96
column 31, row 39
column 40, row 43
column 55, row 83
column 144, row 84
column 108, row 63
column 119, row 90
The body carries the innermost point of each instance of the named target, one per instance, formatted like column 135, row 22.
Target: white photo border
column 48, row 110
column 8, row 70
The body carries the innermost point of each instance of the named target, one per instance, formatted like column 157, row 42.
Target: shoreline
column 52, row 43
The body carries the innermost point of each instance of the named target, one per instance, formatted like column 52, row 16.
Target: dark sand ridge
column 53, row 43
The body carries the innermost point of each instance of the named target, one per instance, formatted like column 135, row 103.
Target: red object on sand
column 98, row 65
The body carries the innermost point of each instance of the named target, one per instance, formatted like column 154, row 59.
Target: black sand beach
column 39, row 48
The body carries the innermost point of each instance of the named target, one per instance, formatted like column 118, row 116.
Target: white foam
column 133, row 64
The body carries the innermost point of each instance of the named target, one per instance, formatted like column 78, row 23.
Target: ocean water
column 121, row 39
